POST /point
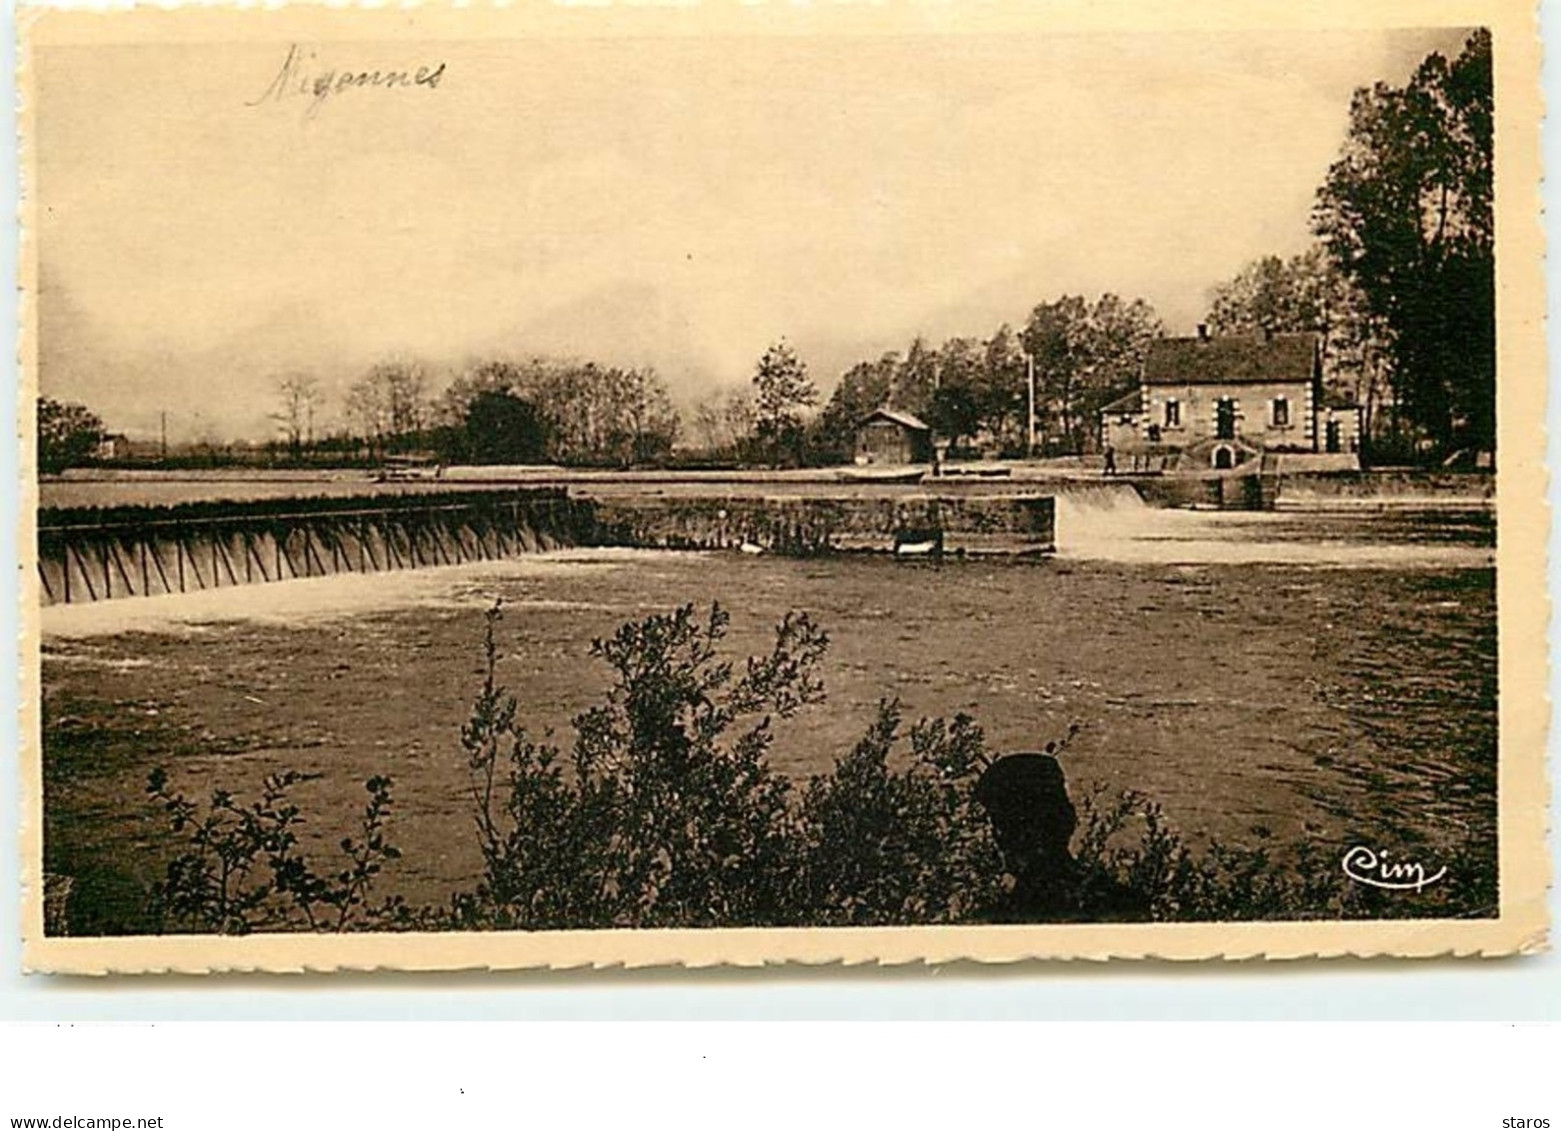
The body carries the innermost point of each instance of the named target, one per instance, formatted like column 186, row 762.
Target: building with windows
column 1218, row 402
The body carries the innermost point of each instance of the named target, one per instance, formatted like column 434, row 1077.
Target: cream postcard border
column 1522, row 601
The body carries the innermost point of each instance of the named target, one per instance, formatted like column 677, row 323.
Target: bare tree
column 365, row 409
column 724, row 419
column 300, row 396
column 389, row 401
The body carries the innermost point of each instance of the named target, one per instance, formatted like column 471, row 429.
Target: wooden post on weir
column 85, row 556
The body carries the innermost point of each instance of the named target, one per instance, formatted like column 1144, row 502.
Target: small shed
column 1119, row 422
column 889, row 436
column 113, row 446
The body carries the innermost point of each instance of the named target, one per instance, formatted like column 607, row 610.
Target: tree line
column 495, row 411
column 1406, row 214
column 975, row 392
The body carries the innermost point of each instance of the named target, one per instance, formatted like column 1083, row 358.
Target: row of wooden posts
column 82, row 557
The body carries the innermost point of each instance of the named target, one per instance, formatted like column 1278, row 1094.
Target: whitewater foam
column 327, row 598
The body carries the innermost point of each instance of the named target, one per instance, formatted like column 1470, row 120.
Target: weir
column 95, row 554
column 885, row 520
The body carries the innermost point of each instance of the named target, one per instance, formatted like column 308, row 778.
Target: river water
column 1311, row 677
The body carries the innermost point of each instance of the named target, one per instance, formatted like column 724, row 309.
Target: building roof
column 904, row 419
column 1128, row 404
column 1244, row 359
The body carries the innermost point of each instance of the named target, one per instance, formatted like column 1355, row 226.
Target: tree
column 1308, row 293
column 300, row 396
column 500, row 427
column 966, row 389
column 724, row 420
column 781, row 384
column 389, row 403
column 498, row 431
column 917, row 379
column 492, row 375
column 956, row 410
column 1406, row 211
column 1271, row 294
column 405, row 391
column 1117, row 338
column 1055, row 337
column 645, row 423
column 570, row 402
column 782, row 389
column 1086, row 354
column 597, row 415
column 68, row 435
column 954, row 414
column 365, row 409
column 866, row 386
column 1004, row 398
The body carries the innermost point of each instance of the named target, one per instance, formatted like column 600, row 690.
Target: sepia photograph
column 900, row 491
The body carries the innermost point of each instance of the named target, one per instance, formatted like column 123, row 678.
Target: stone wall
column 813, row 525
column 1224, row 491
column 1388, row 485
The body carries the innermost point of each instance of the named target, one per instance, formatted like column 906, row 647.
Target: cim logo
column 1373, row 868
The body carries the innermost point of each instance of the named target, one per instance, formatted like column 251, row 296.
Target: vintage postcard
column 578, row 485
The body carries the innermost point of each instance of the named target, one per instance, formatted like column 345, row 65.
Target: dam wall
column 819, row 524
column 1266, row 486
column 1386, row 487
column 1222, row 491
column 103, row 553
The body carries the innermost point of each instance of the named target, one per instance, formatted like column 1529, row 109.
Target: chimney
column 1203, row 331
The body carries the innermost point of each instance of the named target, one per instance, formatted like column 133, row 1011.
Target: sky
column 673, row 203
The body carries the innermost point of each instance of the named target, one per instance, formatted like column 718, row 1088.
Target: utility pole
column 1029, row 370
column 164, row 443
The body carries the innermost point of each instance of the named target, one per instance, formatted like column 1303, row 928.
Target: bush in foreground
column 240, row 870
column 664, row 811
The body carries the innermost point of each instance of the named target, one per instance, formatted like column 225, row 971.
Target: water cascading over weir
column 101, row 553
column 94, row 554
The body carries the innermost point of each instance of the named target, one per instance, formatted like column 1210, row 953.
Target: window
column 1225, row 418
column 1281, row 412
column 1173, row 413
